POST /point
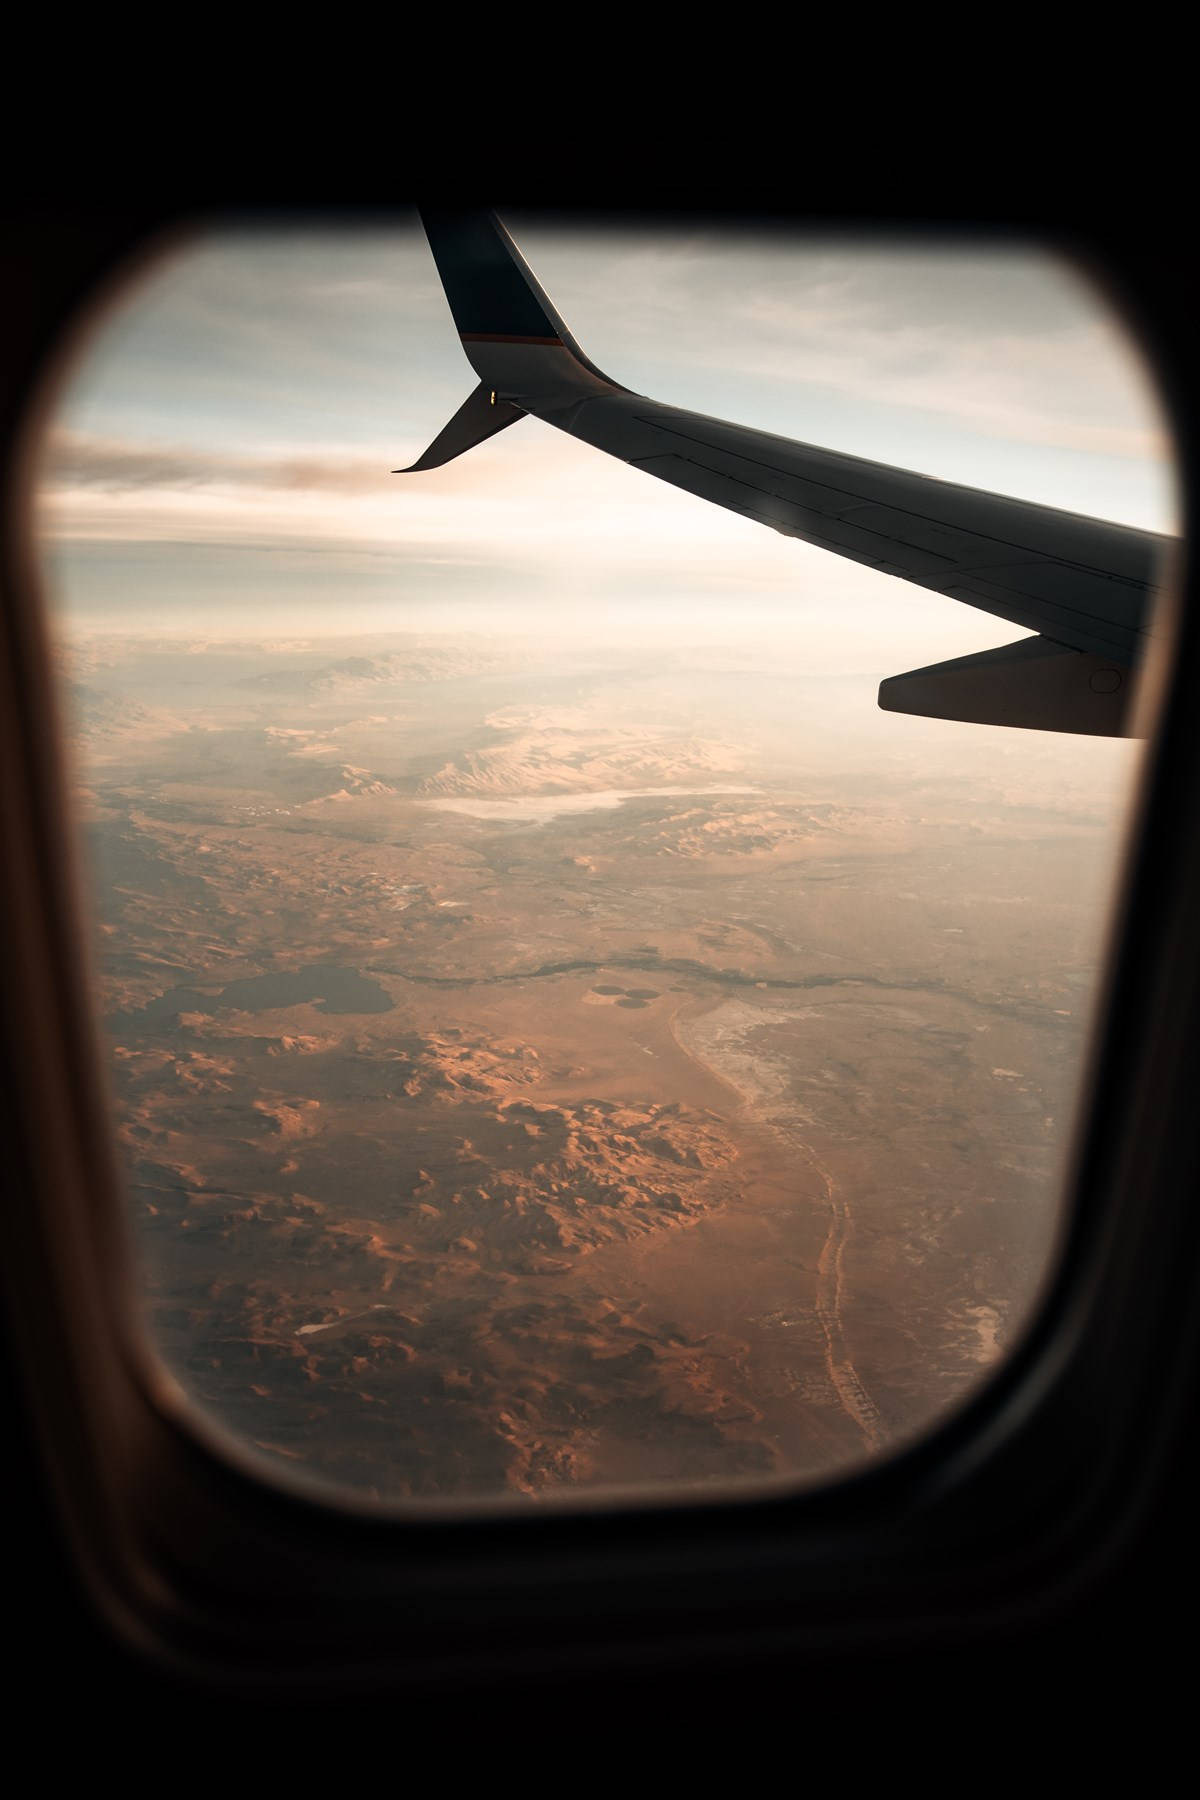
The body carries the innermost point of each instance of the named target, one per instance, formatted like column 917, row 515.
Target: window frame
column 993, row 1523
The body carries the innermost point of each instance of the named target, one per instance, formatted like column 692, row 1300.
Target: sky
column 219, row 459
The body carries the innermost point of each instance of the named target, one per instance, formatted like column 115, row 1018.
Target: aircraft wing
column 1083, row 585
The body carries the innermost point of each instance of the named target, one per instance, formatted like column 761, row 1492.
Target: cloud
column 1075, row 390
column 1010, row 342
column 531, row 507
column 75, row 460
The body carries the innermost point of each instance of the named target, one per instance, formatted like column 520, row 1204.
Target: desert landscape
column 554, row 1065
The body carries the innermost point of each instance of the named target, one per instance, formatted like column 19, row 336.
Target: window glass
column 562, row 1033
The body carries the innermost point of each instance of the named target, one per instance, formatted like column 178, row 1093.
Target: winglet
column 499, row 307
column 480, row 417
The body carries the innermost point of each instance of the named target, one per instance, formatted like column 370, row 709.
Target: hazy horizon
column 221, row 452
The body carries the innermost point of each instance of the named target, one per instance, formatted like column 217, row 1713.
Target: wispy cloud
column 531, row 501
column 74, row 460
column 1001, row 341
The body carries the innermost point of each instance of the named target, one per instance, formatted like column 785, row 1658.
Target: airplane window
column 564, row 1034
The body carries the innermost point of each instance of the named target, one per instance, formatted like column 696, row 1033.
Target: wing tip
column 479, row 417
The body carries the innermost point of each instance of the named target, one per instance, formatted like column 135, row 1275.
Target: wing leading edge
column 1084, row 585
